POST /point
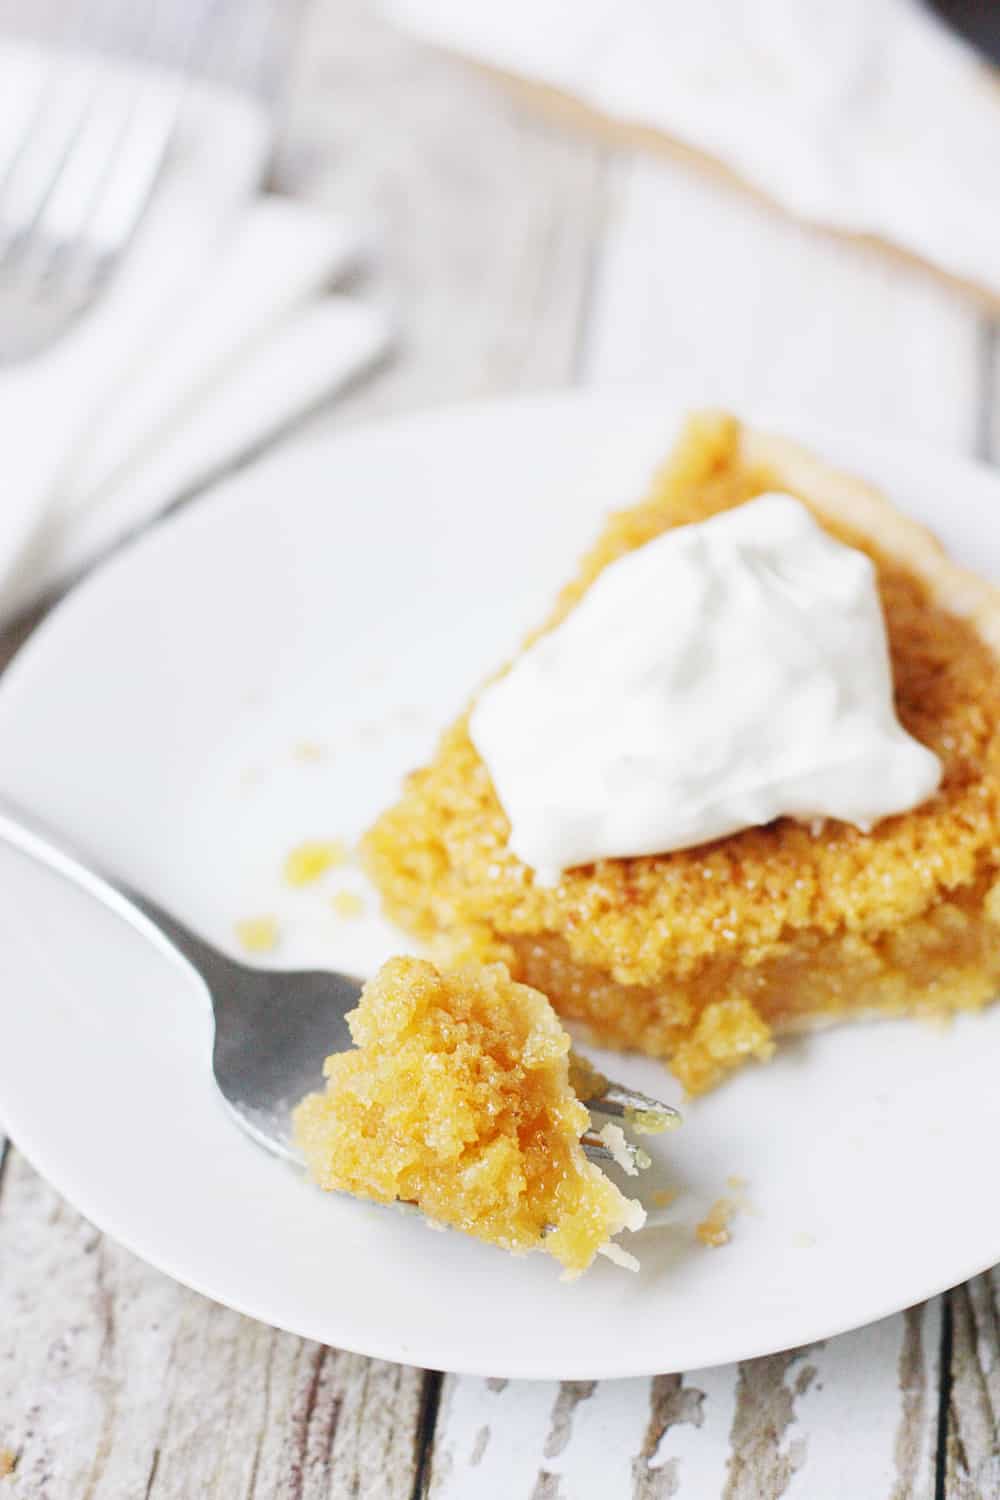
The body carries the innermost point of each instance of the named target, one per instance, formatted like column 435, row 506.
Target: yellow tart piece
column 457, row 1097
column 702, row 956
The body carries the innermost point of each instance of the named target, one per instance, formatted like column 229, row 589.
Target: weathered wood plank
column 702, row 292
column 116, row 1383
column 484, row 216
column 973, row 1436
column 241, row 43
column 771, row 1427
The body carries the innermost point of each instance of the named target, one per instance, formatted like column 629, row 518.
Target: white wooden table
column 520, row 257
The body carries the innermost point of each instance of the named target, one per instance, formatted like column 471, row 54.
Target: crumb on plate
column 310, row 860
column 8, row 1462
column 348, row 904
column 310, row 751
column 257, row 934
column 714, row 1227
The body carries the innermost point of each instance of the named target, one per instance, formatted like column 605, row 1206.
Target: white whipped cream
column 724, row 674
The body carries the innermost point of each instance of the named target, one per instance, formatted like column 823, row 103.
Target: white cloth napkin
column 864, row 115
column 213, row 334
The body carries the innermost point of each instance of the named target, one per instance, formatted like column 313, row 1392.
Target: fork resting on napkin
column 212, row 335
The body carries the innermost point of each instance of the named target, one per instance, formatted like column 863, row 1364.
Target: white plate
column 350, row 594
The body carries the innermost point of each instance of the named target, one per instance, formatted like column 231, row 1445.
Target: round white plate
column 264, row 668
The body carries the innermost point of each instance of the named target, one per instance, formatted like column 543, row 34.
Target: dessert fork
column 80, row 156
column 274, row 1027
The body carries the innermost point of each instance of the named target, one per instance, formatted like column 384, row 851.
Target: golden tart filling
column 703, row 955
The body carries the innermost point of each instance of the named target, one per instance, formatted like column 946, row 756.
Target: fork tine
column 647, row 1116
column 129, row 183
column 58, row 231
column 626, row 1155
column 19, row 106
column 594, row 1147
column 156, row 106
column 71, row 200
column 44, row 148
column 85, row 156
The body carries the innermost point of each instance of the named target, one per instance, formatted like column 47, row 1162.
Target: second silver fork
column 83, row 141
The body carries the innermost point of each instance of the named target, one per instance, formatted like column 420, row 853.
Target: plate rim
column 224, row 491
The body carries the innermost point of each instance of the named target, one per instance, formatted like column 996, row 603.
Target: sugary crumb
column 738, row 1184
column 613, row 1137
column 307, row 862
column 310, row 751
column 348, row 904
column 619, row 1256
column 258, row 934
column 663, row 1197
column 8, row 1462
column 714, row 1227
column 803, row 1241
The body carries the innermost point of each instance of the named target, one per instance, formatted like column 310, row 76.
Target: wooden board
column 521, row 256
column 972, row 1457
column 123, row 1384
column 769, row 1427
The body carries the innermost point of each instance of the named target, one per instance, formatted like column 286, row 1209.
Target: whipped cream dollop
column 726, row 673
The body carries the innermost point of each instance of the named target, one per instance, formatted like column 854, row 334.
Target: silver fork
column 84, row 146
column 273, row 1028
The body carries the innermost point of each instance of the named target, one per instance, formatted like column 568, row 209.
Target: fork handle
column 30, row 835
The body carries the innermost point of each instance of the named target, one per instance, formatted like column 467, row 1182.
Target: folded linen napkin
column 212, row 334
column 867, row 116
